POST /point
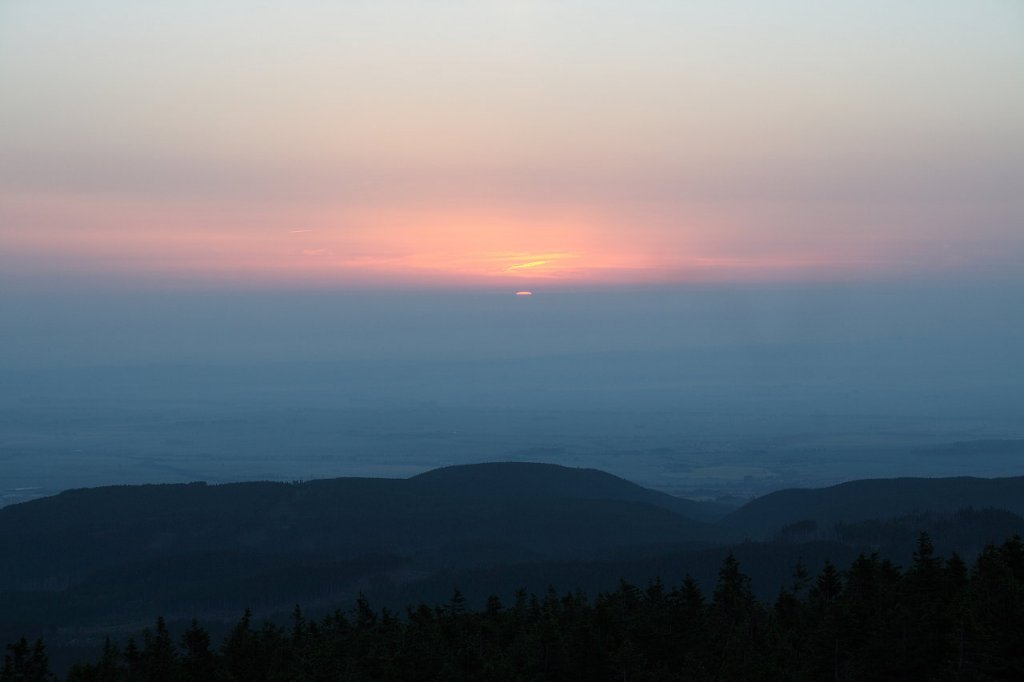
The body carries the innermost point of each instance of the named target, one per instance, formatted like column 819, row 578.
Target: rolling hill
column 457, row 516
column 864, row 500
column 504, row 480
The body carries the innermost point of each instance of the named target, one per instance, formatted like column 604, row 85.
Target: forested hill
column 515, row 479
column 864, row 500
column 486, row 514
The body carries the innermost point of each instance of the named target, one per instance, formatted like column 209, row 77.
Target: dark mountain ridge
column 518, row 479
column 449, row 516
column 857, row 501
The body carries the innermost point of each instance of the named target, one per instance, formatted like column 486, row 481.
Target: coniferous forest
column 938, row 619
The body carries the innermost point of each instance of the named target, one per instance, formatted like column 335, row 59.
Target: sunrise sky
column 518, row 144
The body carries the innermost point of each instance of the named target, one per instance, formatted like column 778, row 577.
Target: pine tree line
column 936, row 620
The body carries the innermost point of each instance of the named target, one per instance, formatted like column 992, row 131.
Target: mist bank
column 810, row 347
column 704, row 391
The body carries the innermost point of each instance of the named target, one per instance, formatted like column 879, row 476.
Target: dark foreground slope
column 859, row 501
column 938, row 619
column 87, row 563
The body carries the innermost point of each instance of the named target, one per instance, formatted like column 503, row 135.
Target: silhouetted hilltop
column 518, row 479
column 446, row 518
column 857, row 501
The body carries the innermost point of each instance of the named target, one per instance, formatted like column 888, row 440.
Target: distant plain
column 700, row 391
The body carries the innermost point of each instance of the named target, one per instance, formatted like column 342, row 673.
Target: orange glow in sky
column 477, row 245
column 485, row 144
column 443, row 243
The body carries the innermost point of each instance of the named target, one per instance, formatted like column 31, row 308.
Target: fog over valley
column 705, row 391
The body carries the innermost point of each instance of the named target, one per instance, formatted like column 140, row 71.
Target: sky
column 760, row 220
column 508, row 145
